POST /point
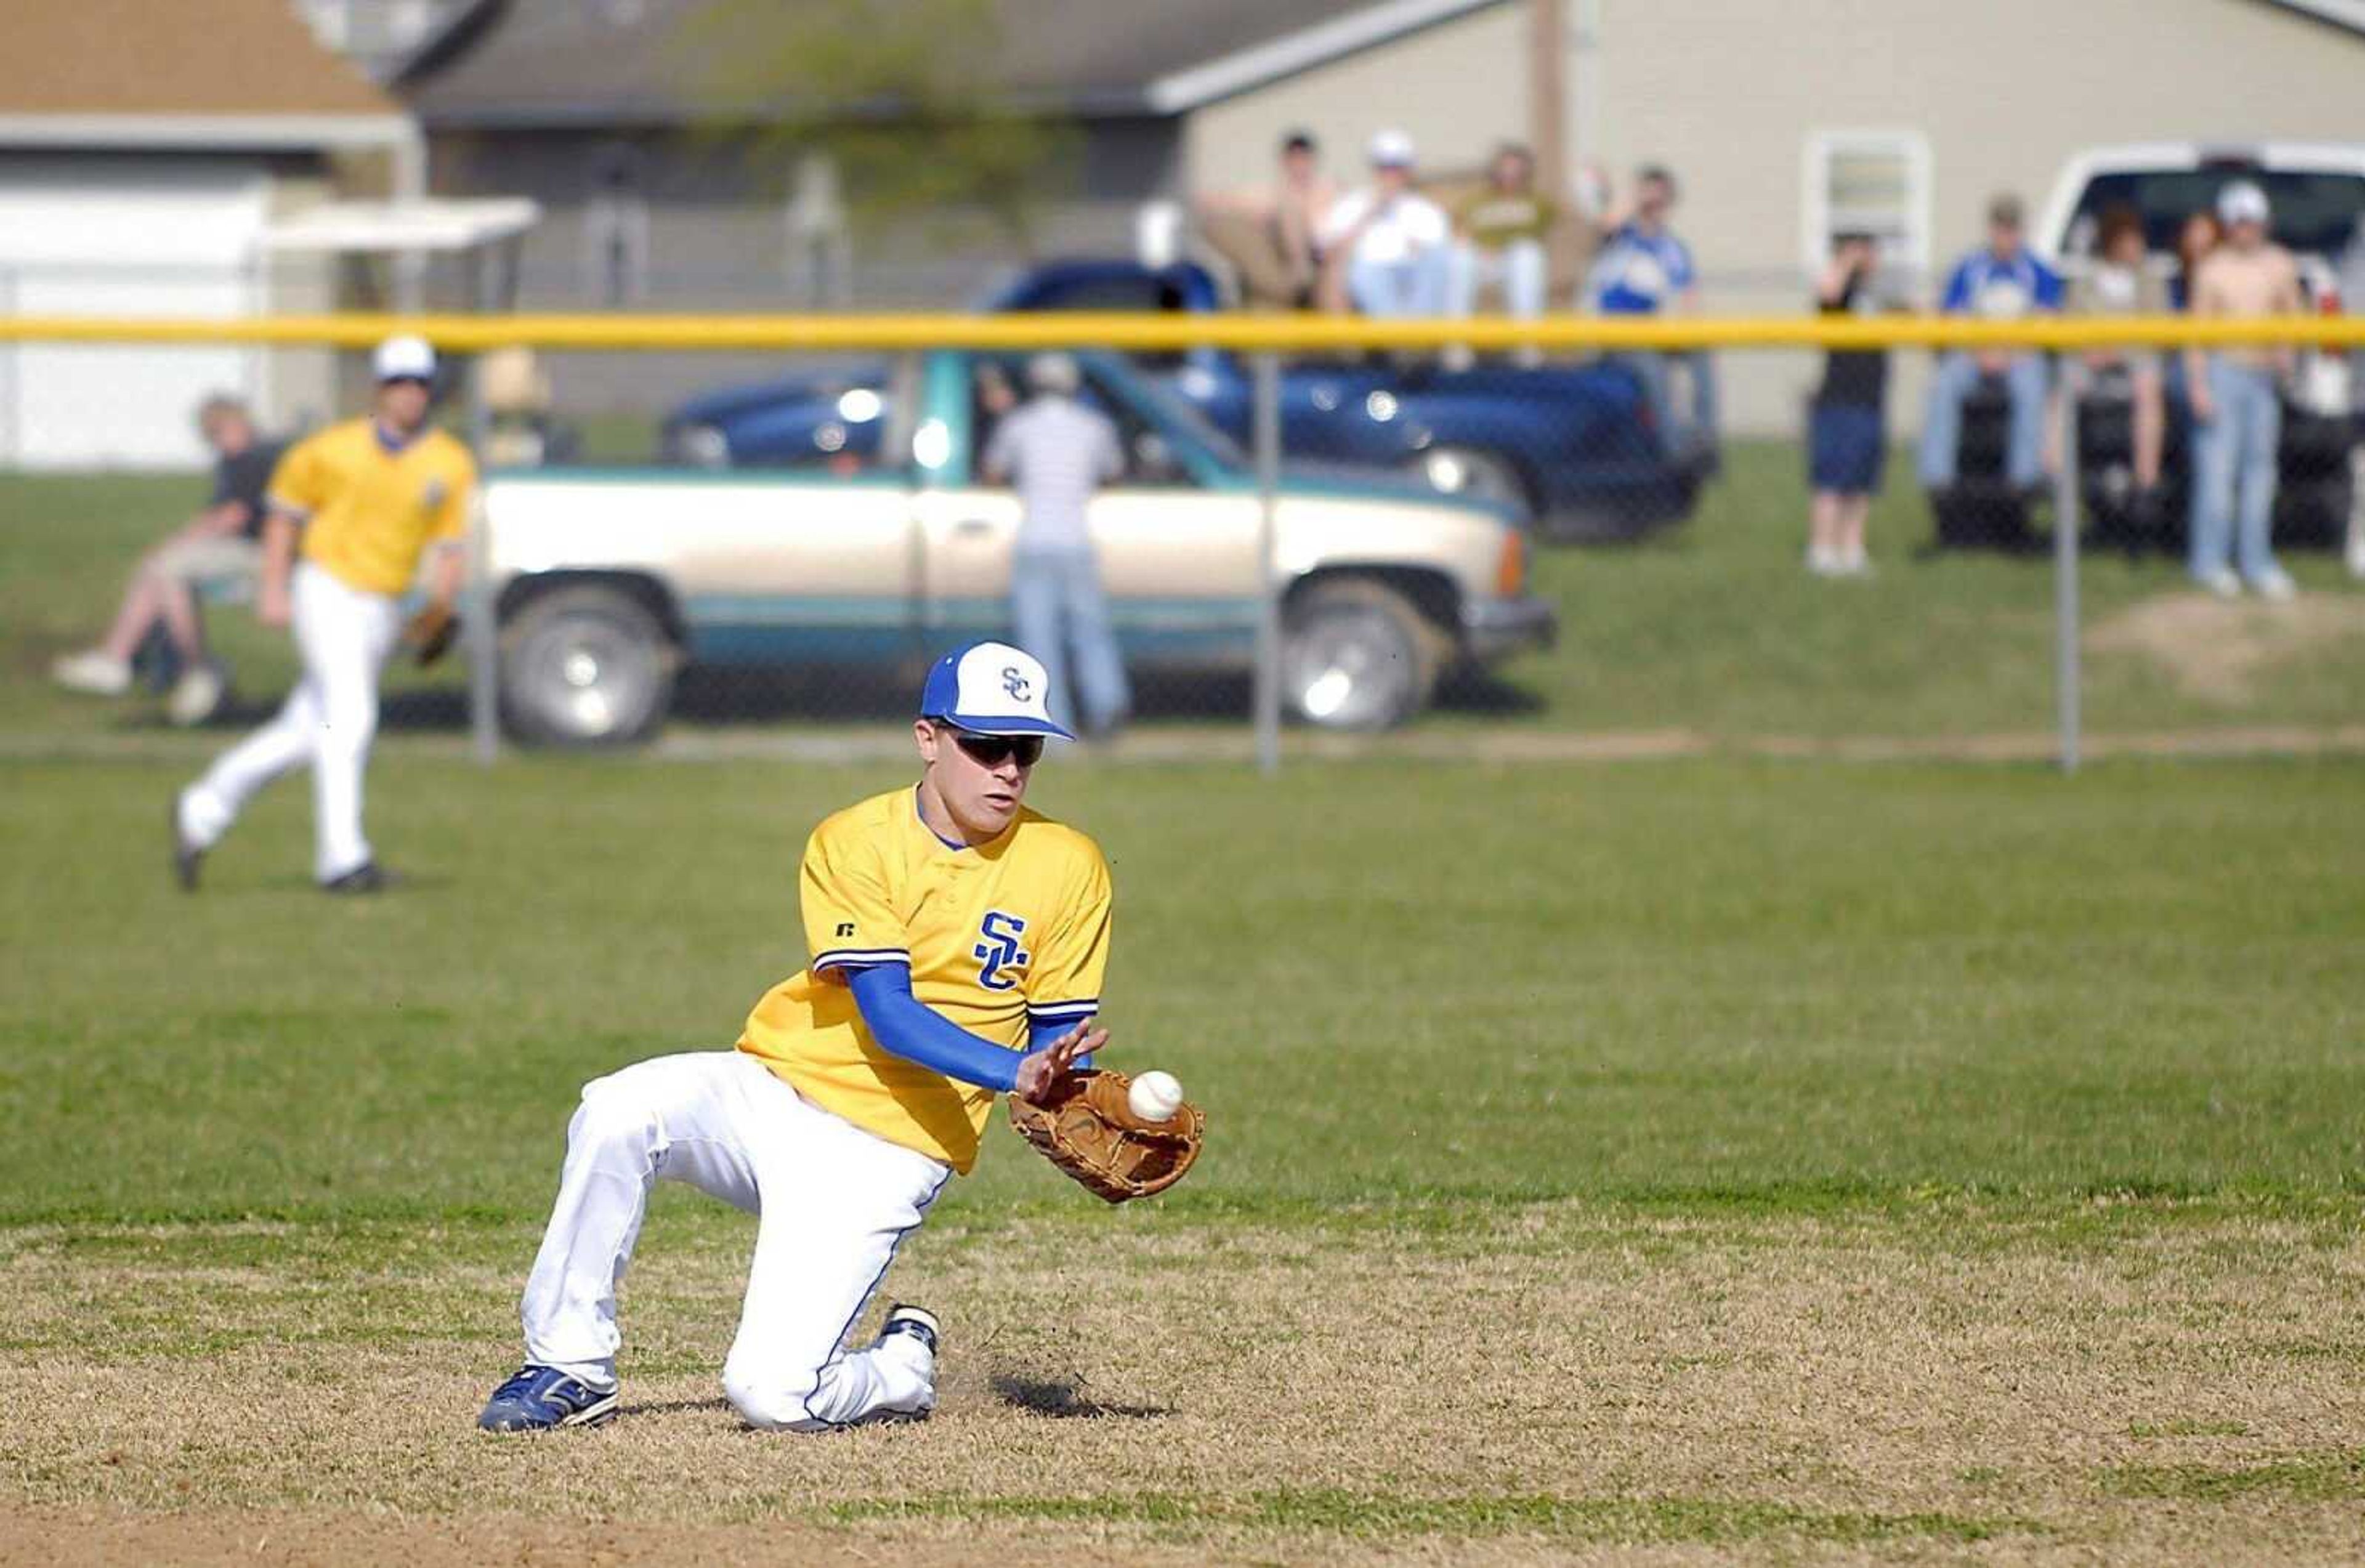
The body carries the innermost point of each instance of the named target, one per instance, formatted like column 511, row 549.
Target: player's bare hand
column 272, row 609
column 1041, row 1071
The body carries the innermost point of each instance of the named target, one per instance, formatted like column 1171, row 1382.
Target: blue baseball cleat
column 542, row 1399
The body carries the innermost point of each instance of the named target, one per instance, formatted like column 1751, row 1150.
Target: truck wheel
column 1357, row 654
column 585, row 665
column 1480, row 475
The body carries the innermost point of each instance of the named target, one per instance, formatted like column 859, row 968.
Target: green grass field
column 1672, row 1161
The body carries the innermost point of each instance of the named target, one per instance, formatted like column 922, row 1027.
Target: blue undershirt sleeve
column 917, row 1032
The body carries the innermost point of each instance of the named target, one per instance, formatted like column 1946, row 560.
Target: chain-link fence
column 1563, row 539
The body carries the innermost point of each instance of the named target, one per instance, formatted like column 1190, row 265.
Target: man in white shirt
column 1388, row 246
column 1057, row 453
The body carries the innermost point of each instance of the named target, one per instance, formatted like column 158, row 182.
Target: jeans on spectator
column 2234, row 472
column 1412, row 286
column 1056, row 606
column 1941, row 431
column 1652, row 370
column 1519, row 269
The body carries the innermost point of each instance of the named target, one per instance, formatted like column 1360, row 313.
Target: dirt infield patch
column 2220, row 649
column 1543, row 1383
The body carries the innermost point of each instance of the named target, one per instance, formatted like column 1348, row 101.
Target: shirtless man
column 2237, row 404
column 1272, row 234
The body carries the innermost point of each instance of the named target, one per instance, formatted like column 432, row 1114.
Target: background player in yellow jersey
column 958, row 942
column 368, row 497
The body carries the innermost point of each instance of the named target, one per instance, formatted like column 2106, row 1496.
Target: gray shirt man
column 1057, row 453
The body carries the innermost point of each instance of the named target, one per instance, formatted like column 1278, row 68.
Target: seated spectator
column 1847, row 438
column 1501, row 231
column 2120, row 285
column 1271, row 235
column 1643, row 268
column 2000, row 282
column 1384, row 246
column 224, row 541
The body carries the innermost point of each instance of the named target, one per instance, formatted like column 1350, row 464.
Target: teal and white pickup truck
column 610, row 581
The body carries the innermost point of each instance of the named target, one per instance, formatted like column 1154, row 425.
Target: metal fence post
column 2065, row 566
column 476, row 626
column 1268, row 631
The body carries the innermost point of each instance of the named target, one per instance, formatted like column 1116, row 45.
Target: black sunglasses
column 993, row 751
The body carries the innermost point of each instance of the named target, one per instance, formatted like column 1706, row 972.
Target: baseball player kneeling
column 958, row 942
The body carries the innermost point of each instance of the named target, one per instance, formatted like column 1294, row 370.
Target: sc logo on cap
column 1013, row 683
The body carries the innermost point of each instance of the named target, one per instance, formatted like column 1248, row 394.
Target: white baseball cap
column 403, row 359
column 2242, row 202
column 990, row 688
column 1392, row 150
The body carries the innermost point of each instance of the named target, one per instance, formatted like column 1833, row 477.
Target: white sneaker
column 195, row 696
column 1823, row 561
column 2275, row 584
column 99, row 673
column 1855, row 564
column 2222, row 582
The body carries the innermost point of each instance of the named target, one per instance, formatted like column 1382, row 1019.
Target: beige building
column 1786, row 120
column 147, row 153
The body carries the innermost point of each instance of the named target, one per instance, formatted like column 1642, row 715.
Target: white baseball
column 1154, row 1096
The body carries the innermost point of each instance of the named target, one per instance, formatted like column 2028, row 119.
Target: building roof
column 117, row 59
column 580, row 62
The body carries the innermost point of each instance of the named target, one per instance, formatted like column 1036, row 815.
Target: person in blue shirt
column 2001, row 281
column 1643, row 268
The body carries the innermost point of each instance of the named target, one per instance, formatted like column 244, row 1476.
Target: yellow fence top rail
column 1247, row 333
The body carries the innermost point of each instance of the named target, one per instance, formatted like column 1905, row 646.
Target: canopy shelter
column 484, row 230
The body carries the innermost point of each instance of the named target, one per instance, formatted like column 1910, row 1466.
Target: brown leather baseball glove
column 1089, row 1132
column 429, row 634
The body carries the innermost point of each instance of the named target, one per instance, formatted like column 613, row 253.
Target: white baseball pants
column 342, row 635
column 834, row 1202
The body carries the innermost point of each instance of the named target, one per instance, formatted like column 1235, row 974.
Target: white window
column 1867, row 182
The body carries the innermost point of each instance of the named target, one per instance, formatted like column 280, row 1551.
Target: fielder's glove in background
column 1091, row 1133
column 429, row 634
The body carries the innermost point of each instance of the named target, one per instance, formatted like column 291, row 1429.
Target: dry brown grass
column 2221, row 649
column 1956, row 1382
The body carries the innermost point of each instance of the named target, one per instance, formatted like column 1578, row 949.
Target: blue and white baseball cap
column 990, row 688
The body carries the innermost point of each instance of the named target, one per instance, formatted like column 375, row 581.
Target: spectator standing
column 2120, row 285
column 1847, row 439
column 1385, row 247
column 2198, row 236
column 222, row 541
column 1645, row 269
column 1999, row 282
column 1058, row 453
column 371, row 496
column 1500, row 234
column 1273, row 236
column 2236, row 403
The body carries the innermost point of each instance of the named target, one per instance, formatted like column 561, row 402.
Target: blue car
column 1568, row 447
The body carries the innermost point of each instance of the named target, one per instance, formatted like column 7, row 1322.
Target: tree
column 904, row 96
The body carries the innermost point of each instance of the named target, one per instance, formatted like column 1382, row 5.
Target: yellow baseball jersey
column 369, row 512
column 999, row 936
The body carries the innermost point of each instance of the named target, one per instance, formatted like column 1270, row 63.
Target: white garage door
column 122, row 235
